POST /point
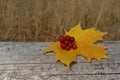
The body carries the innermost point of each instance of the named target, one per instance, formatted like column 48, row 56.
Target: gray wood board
column 26, row 61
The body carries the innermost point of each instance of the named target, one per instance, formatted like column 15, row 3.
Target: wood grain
column 26, row 61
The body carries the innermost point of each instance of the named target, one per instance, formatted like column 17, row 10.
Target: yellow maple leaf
column 84, row 41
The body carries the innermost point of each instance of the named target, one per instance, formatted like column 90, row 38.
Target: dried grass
column 43, row 20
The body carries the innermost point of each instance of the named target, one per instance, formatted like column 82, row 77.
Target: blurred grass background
column 43, row 20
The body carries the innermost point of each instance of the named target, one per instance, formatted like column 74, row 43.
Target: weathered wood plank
column 79, row 68
column 33, row 52
column 35, row 75
column 26, row 61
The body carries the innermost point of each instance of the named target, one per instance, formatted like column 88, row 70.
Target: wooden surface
column 26, row 61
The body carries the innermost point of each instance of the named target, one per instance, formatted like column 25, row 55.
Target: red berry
column 67, row 42
column 70, row 45
column 74, row 46
column 62, row 39
column 72, row 39
column 67, row 48
column 63, row 46
column 67, row 37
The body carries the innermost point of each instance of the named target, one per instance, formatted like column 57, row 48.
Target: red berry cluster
column 67, row 42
